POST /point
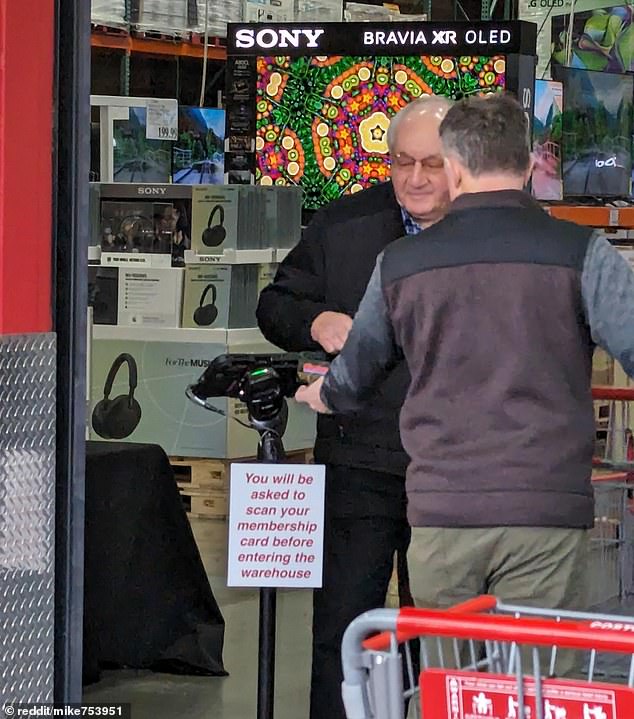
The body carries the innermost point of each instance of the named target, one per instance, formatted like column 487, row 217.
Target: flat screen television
column 546, row 180
column 322, row 121
column 597, row 132
column 135, row 158
column 198, row 154
column 602, row 39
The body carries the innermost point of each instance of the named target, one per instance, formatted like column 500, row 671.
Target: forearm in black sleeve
column 368, row 355
column 289, row 305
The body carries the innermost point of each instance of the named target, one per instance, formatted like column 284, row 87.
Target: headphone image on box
column 206, row 315
column 117, row 418
column 215, row 235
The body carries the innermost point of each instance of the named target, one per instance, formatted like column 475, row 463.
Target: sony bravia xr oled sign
column 310, row 105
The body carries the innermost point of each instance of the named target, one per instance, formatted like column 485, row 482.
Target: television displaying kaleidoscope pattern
column 322, row 121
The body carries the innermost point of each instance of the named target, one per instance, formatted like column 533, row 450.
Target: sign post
column 276, row 528
column 276, row 510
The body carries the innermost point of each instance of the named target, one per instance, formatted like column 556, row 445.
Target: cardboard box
column 150, row 297
column 103, row 294
column 223, row 296
column 214, row 219
column 141, row 224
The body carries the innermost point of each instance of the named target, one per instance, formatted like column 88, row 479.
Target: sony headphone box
column 141, row 218
column 282, row 223
column 136, row 297
column 103, row 294
column 223, row 296
column 214, row 219
column 266, row 275
column 206, row 296
column 150, row 297
column 138, row 383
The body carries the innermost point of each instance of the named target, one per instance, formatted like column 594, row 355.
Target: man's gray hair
column 488, row 134
column 426, row 102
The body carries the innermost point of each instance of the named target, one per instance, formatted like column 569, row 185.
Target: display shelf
column 231, row 257
column 621, row 217
column 157, row 45
column 247, row 336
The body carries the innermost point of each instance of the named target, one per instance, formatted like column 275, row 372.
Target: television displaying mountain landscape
column 198, row 155
column 135, row 157
column 596, row 132
column 546, row 181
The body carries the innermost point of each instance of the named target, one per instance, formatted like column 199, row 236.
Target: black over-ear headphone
column 205, row 315
column 214, row 236
column 118, row 418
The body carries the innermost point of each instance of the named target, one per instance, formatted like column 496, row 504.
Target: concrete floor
column 164, row 696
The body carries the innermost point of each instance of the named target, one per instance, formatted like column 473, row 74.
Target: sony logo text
column 151, row 190
column 267, row 38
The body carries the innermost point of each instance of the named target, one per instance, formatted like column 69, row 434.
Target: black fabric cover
column 148, row 603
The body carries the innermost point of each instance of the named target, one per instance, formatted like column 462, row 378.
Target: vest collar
column 493, row 200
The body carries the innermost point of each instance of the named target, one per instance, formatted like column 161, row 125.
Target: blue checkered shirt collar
column 411, row 228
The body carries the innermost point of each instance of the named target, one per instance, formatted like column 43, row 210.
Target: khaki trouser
column 532, row 566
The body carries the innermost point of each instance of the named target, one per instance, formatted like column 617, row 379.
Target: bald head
column 418, row 176
column 428, row 108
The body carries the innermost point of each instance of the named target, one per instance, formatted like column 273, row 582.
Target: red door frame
column 27, row 64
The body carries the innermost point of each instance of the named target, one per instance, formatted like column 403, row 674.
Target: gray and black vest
column 498, row 421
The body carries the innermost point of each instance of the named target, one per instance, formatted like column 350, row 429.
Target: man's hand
column 311, row 396
column 330, row 330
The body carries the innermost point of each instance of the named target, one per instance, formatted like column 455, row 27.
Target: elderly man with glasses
column 310, row 306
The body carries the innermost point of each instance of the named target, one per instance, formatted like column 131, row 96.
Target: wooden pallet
column 204, row 483
column 213, row 474
column 199, row 39
column 118, row 30
column 143, row 32
column 206, row 505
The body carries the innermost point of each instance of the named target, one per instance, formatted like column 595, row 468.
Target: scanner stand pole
column 270, row 451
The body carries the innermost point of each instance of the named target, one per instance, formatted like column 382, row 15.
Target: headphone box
column 103, row 294
column 266, row 275
column 138, row 380
column 144, row 219
column 214, row 219
column 206, row 296
column 223, row 296
column 282, row 225
column 150, row 297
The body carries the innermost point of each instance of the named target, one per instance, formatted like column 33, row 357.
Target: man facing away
column 309, row 307
column 497, row 310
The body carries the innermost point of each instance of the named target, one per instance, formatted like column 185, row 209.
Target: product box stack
column 213, row 16
column 170, row 17
column 174, row 278
column 110, row 13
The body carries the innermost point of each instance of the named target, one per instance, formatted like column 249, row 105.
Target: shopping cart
column 501, row 651
column 612, row 538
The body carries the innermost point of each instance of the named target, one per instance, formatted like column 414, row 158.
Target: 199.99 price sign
column 162, row 120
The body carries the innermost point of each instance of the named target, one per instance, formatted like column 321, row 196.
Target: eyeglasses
column 403, row 161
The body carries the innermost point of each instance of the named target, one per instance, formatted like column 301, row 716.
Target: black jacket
column 329, row 270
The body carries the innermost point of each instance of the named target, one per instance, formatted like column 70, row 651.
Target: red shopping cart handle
column 623, row 394
column 601, row 635
column 381, row 642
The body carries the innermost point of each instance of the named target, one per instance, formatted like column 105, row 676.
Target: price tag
column 162, row 120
